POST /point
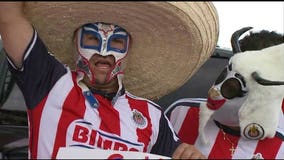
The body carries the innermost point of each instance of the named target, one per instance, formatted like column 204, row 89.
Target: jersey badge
column 253, row 131
column 139, row 119
column 257, row 156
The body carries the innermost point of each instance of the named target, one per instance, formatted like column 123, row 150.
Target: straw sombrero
column 171, row 40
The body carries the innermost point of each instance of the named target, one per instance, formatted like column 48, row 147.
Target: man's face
column 102, row 48
column 102, row 65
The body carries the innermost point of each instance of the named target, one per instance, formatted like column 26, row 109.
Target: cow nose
column 213, row 93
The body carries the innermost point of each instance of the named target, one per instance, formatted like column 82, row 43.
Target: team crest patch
column 253, row 131
column 257, row 156
column 139, row 119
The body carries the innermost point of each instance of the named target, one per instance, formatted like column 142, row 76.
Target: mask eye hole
column 221, row 77
column 118, row 43
column 90, row 40
column 231, row 88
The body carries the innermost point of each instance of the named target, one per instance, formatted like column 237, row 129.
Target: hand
column 187, row 151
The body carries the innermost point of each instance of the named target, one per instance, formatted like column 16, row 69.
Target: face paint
column 102, row 39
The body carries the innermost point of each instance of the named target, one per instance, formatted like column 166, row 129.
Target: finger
column 186, row 151
column 177, row 153
column 197, row 155
column 190, row 152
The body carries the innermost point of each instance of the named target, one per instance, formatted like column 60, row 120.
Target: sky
column 234, row 15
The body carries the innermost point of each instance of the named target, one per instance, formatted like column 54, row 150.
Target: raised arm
column 15, row 30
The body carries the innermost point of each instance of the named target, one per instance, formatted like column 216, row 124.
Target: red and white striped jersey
column 60, row 116
column 184, row 115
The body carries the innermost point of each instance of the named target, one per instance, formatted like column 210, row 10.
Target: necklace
column 232, row 149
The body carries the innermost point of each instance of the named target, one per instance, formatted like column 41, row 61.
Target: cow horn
column 235, row 39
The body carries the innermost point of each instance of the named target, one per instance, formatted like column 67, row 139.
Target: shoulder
column 184, row 104
column 141, row 99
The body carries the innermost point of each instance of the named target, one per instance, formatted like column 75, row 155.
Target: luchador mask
column 106, row 37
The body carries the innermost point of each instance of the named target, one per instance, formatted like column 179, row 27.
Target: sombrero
column 171, row 40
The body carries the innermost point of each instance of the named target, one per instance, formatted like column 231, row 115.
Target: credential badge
column 257, row 156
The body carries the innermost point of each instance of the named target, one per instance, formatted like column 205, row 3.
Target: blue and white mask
column 104, row 35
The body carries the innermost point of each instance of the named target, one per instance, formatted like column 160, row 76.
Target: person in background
column 238, row 120
column 257, row 40
column 90, row 107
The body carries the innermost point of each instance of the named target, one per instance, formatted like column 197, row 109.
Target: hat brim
column 171, row 40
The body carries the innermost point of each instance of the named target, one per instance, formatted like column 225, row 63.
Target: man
column 90, row 107
column 240, row 119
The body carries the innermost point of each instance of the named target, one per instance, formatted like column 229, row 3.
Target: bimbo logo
column 85, row 135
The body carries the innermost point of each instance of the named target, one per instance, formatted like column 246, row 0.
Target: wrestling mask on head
column 104, row 35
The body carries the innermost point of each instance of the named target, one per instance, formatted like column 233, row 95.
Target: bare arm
column 15, row 30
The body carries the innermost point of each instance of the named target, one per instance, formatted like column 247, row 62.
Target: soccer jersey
column 60, row 116
column 223, row 142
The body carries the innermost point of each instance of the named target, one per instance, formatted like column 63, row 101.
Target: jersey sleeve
column 184, row 116
column 167, row 140
column 39, row 72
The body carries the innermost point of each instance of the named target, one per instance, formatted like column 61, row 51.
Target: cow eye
column 231, row 88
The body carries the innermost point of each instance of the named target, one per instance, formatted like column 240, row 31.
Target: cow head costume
column 248, row 93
